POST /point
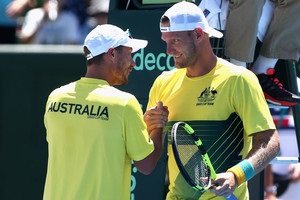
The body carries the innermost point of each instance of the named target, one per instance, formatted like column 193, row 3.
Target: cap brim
column 136, row 44
column 213, row 32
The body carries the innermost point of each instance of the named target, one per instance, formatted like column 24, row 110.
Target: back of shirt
column 93, row 133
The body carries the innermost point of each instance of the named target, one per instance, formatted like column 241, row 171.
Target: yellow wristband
column 239, row 174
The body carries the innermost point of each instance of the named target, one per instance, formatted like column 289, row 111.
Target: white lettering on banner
column 133, row 182
column 149, row 62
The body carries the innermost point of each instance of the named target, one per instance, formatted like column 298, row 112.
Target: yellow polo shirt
column 94, row 131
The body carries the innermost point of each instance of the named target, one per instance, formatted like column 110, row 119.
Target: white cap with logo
column 107, row 36
column 186, row 16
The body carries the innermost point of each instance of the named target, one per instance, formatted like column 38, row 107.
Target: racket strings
column 192, row 159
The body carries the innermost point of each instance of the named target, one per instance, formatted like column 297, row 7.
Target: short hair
column 95, row 60
column 164, row 19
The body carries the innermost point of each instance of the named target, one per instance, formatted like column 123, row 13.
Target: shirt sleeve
column 251, row 105
column 138, row 142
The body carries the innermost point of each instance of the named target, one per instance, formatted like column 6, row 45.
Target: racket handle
column 232, row 197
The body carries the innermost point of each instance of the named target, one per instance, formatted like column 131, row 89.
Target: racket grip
column 232, row 197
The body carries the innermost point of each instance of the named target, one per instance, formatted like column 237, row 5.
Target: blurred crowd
column 50, row 21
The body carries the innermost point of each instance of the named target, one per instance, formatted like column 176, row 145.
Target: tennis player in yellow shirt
column 94, row 130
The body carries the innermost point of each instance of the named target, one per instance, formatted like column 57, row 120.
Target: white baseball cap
column 106, row 36
column 186, row 16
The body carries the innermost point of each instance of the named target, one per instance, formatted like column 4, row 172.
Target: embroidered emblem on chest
column 207, row 96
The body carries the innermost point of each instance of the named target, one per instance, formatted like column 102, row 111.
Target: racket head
column 189, row 159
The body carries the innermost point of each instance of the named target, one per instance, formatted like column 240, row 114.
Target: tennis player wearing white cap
column 94, row 130
column 223, row 102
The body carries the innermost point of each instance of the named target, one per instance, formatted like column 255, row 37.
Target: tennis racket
column 192, row 159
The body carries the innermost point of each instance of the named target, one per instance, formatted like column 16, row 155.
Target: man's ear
column 111, row 52
column 199, row 32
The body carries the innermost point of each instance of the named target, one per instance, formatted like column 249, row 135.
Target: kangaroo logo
column 207, row 96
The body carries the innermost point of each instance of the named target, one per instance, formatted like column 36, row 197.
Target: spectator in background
column 79, row 8
column 51, row 24
column 90, row 13
column 98, row 12
column 10, row 10
column 282, row 181
column 283, row 186
column 280, row 40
